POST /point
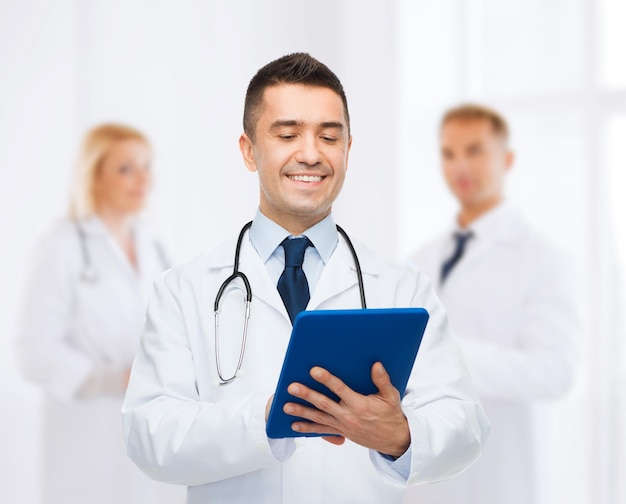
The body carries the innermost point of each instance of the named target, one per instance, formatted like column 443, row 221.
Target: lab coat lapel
column 505, row 228
column 262, row 286
column 338, row 276
column 479, row 248
column 146, row 252
column 251, row 265
column 97, row 230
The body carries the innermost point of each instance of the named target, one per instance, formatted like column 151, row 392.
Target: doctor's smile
column 306, row 178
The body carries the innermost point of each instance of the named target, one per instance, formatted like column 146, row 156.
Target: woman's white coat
column 72, row 332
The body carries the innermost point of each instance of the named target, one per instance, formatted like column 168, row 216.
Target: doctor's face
column 475, row 161
column 300, row 152
column 123, row 178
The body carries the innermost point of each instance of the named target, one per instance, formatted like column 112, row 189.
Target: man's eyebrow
column 332, row 124
column 473, row 145
column 282, row 123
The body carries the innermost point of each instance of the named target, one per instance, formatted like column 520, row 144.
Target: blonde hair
column 95, row 146
column 473, row 112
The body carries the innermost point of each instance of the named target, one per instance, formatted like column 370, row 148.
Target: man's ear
column 247, row 152
column 348, row 153
column 509, row 159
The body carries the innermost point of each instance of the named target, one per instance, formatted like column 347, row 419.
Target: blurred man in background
column 506, row 288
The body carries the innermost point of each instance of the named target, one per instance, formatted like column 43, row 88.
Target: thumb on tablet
column 381, row 380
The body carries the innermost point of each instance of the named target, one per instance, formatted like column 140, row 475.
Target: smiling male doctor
column 182, row 427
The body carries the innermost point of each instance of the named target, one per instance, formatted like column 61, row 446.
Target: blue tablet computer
column 347, row 343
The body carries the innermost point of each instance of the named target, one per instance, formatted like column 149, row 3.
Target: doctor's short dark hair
column 477, row 112
column 295, row 68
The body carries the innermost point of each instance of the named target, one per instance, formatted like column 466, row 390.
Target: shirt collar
column 92, row 225
column 266, row 236
column 486, row 222
column 499, row 223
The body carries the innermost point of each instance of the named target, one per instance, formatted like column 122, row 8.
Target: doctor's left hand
column 375, row 421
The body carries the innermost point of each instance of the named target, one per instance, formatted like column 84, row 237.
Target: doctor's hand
column 375, row 421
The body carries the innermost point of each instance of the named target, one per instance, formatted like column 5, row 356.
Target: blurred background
column 179, row 71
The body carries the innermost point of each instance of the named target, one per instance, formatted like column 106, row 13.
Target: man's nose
column 308, row 151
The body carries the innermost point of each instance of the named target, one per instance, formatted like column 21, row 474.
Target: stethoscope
column 88, row 273
column 240, row 274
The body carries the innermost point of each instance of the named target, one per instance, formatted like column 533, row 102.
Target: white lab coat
column 71, row 333
column 511, row 301
column 182, row 426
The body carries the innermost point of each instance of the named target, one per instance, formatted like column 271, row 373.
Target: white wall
column 38, row 135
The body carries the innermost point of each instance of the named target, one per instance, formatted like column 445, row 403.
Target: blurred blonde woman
column 82, row 315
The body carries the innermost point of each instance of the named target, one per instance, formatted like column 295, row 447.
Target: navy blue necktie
column 292, row 284
column 461, row 241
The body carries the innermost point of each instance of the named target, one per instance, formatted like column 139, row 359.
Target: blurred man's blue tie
column 292, row 284
column 461, row 241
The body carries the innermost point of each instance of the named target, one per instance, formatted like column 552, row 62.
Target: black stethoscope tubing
column 240, row 274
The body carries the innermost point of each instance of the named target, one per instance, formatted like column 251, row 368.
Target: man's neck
column 296, row 224
column 471, row 213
